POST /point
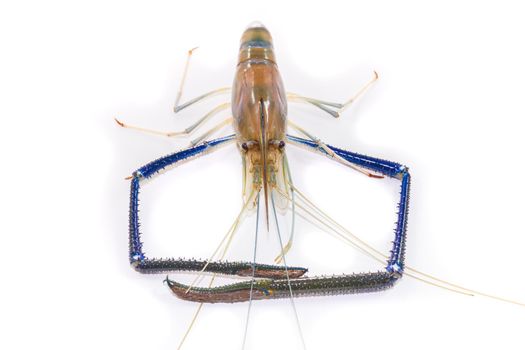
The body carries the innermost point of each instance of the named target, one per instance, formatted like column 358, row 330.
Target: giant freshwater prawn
column 259, row 116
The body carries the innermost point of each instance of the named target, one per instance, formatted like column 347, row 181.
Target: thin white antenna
column 253, row 275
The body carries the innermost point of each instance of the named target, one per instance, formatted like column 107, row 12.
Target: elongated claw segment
column 233, row 293
column 277, row 273
column 243, row 269
column 279, row 288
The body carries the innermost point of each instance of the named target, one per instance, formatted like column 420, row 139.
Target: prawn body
column 259, row 118
column 259, row 110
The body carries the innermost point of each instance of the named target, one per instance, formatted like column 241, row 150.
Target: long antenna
column 287, row 274
column 253, row 274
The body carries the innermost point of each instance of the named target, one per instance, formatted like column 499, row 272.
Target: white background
column 449, row 103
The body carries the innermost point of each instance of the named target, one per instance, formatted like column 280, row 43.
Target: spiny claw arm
column 387, row 168
column 137, row 256
column 278, row 289
column 341, row 284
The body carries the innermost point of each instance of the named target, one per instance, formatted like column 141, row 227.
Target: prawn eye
column 244, row 146
column 281, row 144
